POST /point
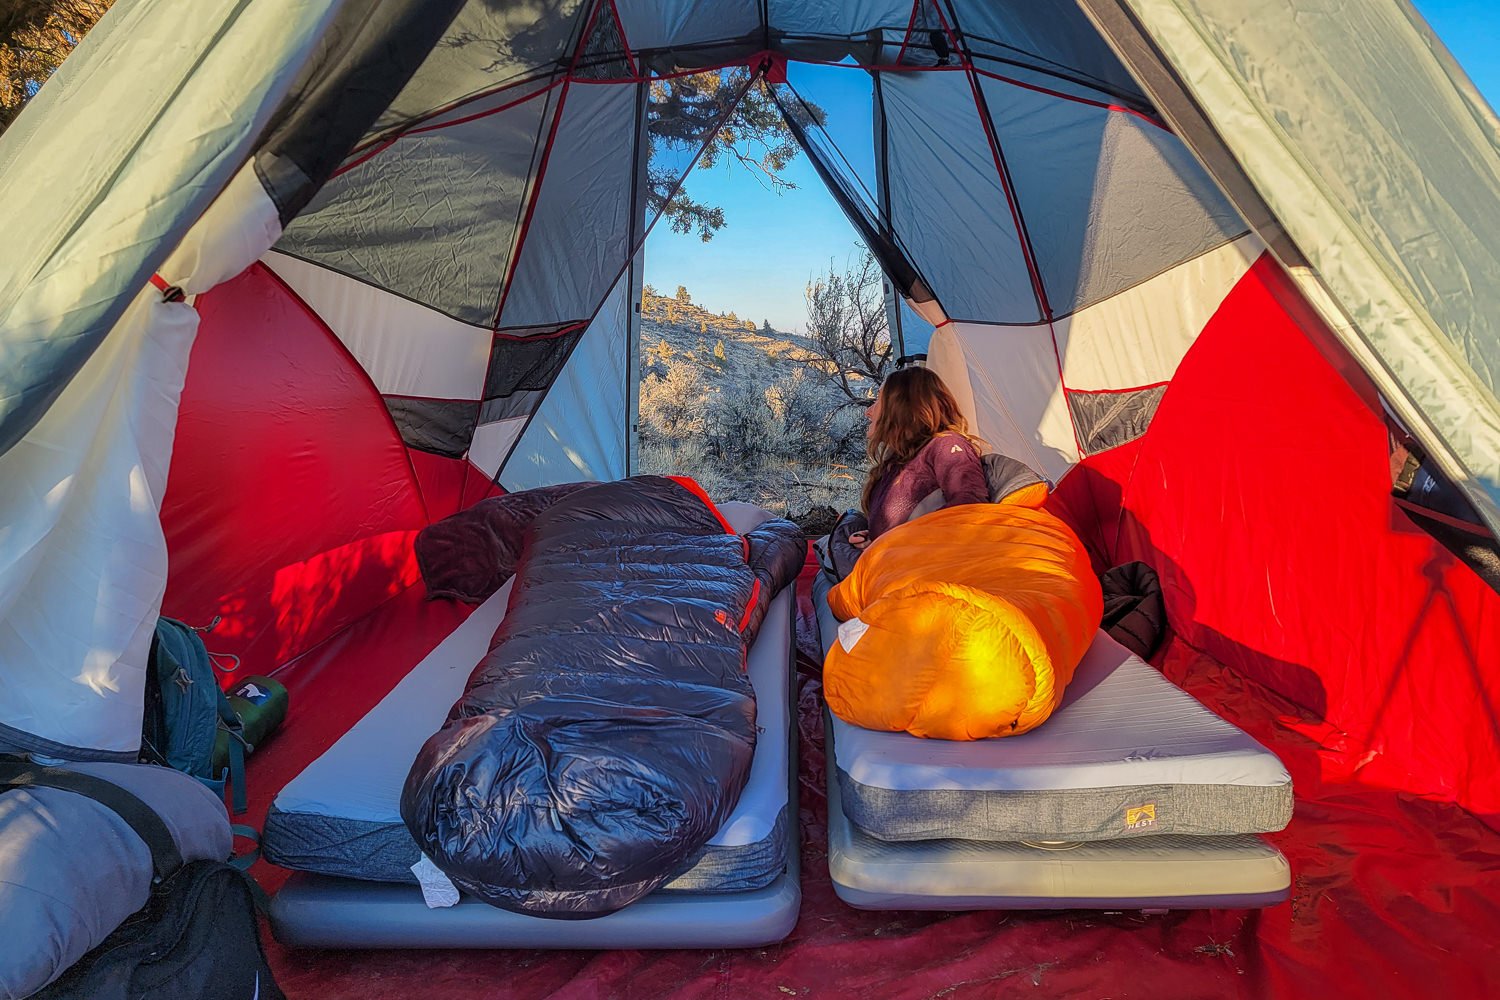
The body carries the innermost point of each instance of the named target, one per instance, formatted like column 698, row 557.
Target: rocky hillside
column 740, row 406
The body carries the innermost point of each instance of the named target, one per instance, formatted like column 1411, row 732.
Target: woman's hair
column 915, row 407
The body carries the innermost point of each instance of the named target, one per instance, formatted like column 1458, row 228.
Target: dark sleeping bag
column 609, row 731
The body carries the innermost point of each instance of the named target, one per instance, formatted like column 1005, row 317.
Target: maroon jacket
column 949, row 462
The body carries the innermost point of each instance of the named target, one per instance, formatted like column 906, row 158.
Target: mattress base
column 1151, row 873
column 318, row 911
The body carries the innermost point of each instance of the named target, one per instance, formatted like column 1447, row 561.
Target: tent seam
column 629, row 261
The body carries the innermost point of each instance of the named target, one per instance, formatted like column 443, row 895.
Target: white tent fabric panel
column 579, row 235
column 158, row 119
column 947, row 201
column 493, row 441
column 83, row 560
column 1109, row 199
column 1138, row 338
column 406, row 348
column 1006, row 381
column 1382, row 163
column 581, row 430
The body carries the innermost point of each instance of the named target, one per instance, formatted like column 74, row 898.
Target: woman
column 919, row 442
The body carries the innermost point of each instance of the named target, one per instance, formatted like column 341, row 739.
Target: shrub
column 741, row 431
column 673, row 406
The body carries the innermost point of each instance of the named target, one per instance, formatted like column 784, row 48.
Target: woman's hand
column 859, row 539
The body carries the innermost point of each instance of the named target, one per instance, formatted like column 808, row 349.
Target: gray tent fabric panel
column 489, row 102
column 369, row 53
column 845, row 18
column 1109, row 200
column 582, row 429
column 1107, row 419
column 604, row 53
column 578, row 239
column 176, row 138
column 434, row 216
column 1053, row 38
column 440, row 426
column 489, row 45
column 529, row 363
column 521, row 403
column 947, row 201
column 678, row 24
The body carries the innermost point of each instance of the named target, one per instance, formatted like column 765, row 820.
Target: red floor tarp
column 1393, row 895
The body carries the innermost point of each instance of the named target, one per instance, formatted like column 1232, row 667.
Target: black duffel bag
column 197, row 937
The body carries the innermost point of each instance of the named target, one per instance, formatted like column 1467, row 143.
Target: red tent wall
column 291, row 505
column 1261, row 495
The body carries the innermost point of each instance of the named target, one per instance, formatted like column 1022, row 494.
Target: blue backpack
column 186, row 708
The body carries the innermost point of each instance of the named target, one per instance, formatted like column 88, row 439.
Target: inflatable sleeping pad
column 608, row 733
column 963, row 624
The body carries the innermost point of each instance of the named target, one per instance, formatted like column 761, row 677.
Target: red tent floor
column 1393, row 895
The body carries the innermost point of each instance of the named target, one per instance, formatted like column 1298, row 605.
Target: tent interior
column 409, row 237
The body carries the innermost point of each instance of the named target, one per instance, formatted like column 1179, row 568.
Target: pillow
column 71, row 870
column 1009, row 480
column 744, row 517
column 1012, row 481
column 469, row 555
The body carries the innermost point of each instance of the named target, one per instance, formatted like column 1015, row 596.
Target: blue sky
column 758, row 265
column 772, row 244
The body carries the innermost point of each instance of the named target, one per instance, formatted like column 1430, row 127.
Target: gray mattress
column 1164, row 872
column 1127, row 754
column 341, row 815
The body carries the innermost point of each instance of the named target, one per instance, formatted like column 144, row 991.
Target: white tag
column 436, row 889
column 850, row 632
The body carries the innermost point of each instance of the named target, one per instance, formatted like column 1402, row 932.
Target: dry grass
column 754, row 425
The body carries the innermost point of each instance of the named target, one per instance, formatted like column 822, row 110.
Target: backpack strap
column 231, row 723
column 165, row 857
column 242, row 862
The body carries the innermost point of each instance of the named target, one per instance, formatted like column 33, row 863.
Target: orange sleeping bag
column 964, row 624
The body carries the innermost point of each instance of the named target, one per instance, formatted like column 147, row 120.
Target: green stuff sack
column 261, row 703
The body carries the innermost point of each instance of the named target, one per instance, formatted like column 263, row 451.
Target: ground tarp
column 1390, row 896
